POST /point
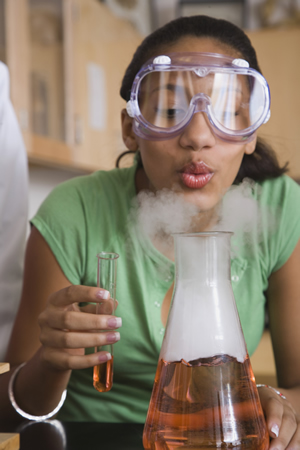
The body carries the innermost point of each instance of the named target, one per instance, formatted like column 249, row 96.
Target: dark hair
column 261, row 164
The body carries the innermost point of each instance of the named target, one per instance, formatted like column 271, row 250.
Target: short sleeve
column 285, row 203
column 61, row 221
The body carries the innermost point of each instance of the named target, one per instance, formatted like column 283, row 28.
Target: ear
column 129, row 138
column 250, row 146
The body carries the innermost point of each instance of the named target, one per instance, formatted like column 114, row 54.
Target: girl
column 193, row 129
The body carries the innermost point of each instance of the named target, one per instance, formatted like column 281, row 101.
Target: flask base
column 204, row 404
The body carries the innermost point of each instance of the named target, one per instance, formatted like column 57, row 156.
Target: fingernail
column 112, row 337
column 114, row 322
column 103, row 357
column 102, row 294
column 275, row 430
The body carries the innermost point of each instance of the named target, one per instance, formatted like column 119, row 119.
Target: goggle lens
column 167, row 98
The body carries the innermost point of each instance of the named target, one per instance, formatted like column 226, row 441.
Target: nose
column 198, row 133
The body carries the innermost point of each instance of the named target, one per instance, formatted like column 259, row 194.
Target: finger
column 107, row 307
column 281, row 422
column 274, row 413
column 76, row 294
column 69, row 339
column 286, row 431
column 74, row 320
column 65, row 361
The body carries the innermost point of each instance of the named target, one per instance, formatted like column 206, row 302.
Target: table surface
column 55, row 435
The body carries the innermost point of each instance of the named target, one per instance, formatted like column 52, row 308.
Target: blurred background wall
column 67, row 57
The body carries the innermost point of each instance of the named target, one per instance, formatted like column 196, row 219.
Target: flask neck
column 203, row 256
column 203, row 320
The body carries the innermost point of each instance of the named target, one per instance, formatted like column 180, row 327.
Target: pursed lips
column 196, row 175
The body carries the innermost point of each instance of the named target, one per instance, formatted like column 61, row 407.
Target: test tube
column 106, row 279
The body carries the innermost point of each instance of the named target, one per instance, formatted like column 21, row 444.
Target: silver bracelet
column 273, row 389
column 23, row 413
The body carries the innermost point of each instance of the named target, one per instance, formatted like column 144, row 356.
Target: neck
column 141, row 180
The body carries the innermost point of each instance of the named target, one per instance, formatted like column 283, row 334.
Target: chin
column 203, row 202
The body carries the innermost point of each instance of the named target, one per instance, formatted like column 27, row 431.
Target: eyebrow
column 175, row 87
column 169, row 86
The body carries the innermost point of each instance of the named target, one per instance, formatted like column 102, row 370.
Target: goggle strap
column 129, row 109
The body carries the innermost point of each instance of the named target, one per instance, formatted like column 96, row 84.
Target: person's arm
column 284, row 314
column 48, row 313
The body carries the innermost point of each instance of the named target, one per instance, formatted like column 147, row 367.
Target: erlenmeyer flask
column 204, row 395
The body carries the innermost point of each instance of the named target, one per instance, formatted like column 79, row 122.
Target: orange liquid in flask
column 208, row 403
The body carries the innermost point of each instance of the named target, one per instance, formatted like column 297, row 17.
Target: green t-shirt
column 89, row 214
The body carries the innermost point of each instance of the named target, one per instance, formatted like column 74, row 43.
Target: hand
column 67, row 329
column 282, row 420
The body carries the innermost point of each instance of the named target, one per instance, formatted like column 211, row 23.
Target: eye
column 170, row 113
column 173, row 112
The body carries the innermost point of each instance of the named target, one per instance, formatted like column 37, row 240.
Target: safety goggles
column 169, row 89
